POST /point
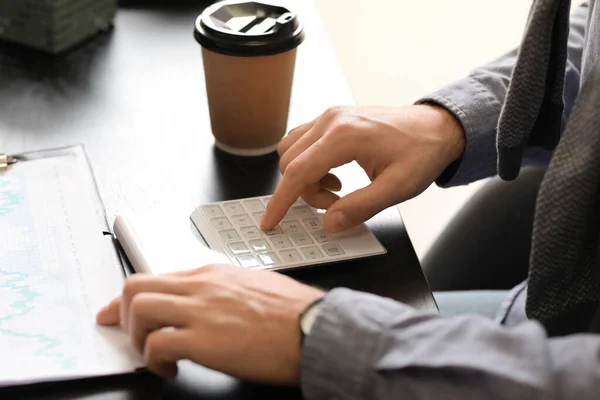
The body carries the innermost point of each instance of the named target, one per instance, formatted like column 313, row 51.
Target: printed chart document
column 56, row 270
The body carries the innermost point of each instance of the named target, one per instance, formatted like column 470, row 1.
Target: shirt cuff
column 478, row 110
column 338, row 354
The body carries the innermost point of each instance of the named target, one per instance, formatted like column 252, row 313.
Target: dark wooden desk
column 135, row 98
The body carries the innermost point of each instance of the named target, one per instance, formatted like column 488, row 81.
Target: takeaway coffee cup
column 249, row 54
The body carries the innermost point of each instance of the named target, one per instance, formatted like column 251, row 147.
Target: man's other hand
column 241, row 322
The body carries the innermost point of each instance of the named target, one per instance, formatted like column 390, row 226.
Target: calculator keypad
column 221, row 223
column 302, row 211
column 233, row 207
column 258, row 216
column 302, row 239
column 313, row 223
column 290, row 227
column 213, row 210
column 322, row 236
column 275, row 231
column 253, row 205
column 248, row 261
column 281, row 242
column 238, row 248
column 259, row 245
column 269, row 258
column 290, row 255
column 250, row 232
column 333, row 249
column 312, row 253
column 229, row 235
column 241, row 220
column 298, row 239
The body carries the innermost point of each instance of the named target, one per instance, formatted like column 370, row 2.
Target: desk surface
column 135, row 97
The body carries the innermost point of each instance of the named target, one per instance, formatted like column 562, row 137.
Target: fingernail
column 263, row 225
column 341, row 220
column 101, row 315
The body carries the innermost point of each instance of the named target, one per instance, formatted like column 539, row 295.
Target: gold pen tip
column 11, row 160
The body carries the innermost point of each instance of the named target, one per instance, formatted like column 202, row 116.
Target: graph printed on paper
column 56, row 271
column 33, row 294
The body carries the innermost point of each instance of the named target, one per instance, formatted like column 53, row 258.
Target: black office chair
column 486, row 245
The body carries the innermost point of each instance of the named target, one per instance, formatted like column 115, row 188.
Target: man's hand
column 402, row 149
column 241, row 322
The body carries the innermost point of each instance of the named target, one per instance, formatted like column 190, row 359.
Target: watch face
column 309, row 317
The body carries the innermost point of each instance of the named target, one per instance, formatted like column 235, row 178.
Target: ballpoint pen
column 6, row 160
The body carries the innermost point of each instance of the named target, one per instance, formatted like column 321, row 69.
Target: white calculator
column 232, row 229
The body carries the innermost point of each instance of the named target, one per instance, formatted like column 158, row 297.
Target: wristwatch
column 308, row 317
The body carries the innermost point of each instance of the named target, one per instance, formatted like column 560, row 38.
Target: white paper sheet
column 56, row 271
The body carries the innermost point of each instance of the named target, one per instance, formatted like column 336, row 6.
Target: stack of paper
column 54, row 25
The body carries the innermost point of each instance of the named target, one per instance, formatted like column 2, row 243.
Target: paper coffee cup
column 249, row 55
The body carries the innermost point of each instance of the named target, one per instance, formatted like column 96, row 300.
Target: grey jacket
column 367, row 347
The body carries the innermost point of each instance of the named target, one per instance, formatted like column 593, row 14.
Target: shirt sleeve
column 476, row 101
column 367, row 347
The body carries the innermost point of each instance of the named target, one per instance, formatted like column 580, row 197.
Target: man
column 359, row 346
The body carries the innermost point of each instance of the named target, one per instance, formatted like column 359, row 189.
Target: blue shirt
column 366, row 347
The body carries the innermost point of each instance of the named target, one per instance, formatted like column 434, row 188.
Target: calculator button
column 222, row 223
column 269, row 258
column 333, row 249
column 241, row 220
column 290, row 256
column 275, row 231
column 288, row 216
column 238, row 248
column 213, row 211
column 250, row 232
column 248, row 261
column 303, row 211
column 253, row 205
column 313, row 223
column 312, row 253
column 258, row 216
column 302, row 239
column 233, row 207
column 259, row 245
column 322, row 236
column 230, row 235
column 292, row 226
column 281, row 242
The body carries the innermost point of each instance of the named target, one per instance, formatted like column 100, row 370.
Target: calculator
column 299, row 240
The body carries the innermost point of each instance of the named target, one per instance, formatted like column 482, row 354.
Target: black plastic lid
column 248, row 28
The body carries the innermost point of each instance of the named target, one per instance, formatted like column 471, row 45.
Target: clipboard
column 78, row 152
column 61, row 264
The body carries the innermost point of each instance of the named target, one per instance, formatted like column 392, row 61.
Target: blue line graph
column 48, row 345
column 15, row 282
column 24, row 286
column 10, row 198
